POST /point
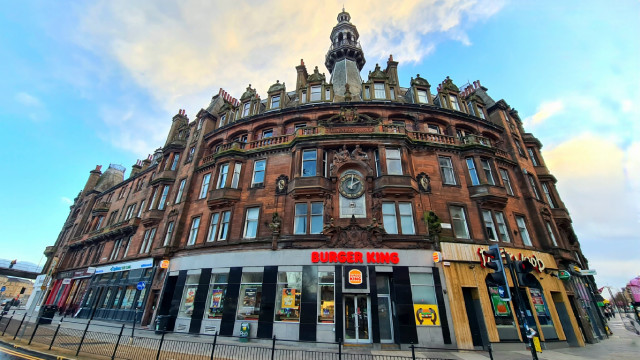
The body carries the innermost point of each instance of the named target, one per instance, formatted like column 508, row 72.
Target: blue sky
column 97, row 82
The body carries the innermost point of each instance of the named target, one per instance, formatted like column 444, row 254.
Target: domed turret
column 345, row 57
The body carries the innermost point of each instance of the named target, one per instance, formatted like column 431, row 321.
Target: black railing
column 111, row 341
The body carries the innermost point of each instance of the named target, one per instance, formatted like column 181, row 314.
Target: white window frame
column 532, row 155
column 193, row 230
column 140, row 209
column 163, row 197
column 379, row 91
column 532, row 181
column 327, row 93
column 481, row 112
column 222, row 176
column 180, row 190
column 395, row 160
column 235, row 179
column 223, row 228
column 169, row 234
column 153, row 198
column 489, row 225
column 213, row 227
column 246, row 109
column 312, row 159
column 303, row 96
column 316, row 93
column 275, row 101
column 455, row 105
column 506, row 180
column 422, row 97
column 501, row 224
column 305, row 213
column 472, row 111
column 473, row 173
column 251, row 220
column 462, row 219
column 486, row 167
column 263, row 171
column 447, row 170
column 204, row 188
column 547, row 194
column 550, row 231
column 522, row 227
column 267, row 133
column 176, row 159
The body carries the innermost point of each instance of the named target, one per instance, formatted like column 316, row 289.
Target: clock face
column 351, row 186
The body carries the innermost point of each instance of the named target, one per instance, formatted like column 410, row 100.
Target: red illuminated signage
column 354, row 257
column 538, row 264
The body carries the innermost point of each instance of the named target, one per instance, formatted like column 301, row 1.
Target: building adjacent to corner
column 314, row 214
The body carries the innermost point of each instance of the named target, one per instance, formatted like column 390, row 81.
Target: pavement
column 623, row 344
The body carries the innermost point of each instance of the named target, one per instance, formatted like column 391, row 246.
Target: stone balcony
column 101, row 207
column 164, row 176
column 563, row 254
column 489, row 195
column 309, row 186
column 223, row 197
column 50, row 250
column 395, row 185
column 152, row 217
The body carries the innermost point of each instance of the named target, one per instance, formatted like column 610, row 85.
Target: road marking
column 15, row 353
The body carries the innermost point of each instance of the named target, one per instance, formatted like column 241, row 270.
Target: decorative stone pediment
column 377, row 74
column 344, row 156
column 316, row 77
column 248, row 94
column 419, row 81
column 350, row 116
column 354, row 235
column 448, row 85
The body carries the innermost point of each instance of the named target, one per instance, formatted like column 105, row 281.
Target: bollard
column 273, row 347
column 413, row 351
column 160, row 347
column 34, row 331
column 8, row 322
column 117, row 343
column 83, row 335
column 19, row 326
column 490, row 352
column 54, row 335
column 215, row 338
column 339, row 348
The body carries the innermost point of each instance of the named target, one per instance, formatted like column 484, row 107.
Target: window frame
column 552, row 236
column 379, row 91
column 422, row 95
column 313, row 160
column 390, row 160
column 473, row 172
column 255, row 184
column 532, row 182
column 193, row 230
column 449, row 168
column 315, row 91
column 489, row 225
column 463, row 211
column 506, row 181
column 533, row 156
column 246, row 109
column 548, row 195
column 488, row 172
column 169, row 233
column 503, row 231
column 307, row 218
column 526, row 230
column 180, row 192
column 204, row 187
column 275, row 102
column 163, row 197
column 248, row 222
column 223, row 173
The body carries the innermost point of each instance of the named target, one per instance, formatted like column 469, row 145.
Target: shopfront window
column 425, row 305
column 326, row 297
column 140, row 300
column 542, row 311
column 250, row 296
column 105, row 302
column 189, row 296
column 384, row 307
column 217, row 293
column 502, row 314
column 288, row 296
column 129, row 295
column 116, row 301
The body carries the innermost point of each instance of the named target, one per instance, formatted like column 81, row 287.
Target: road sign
column 141, row 285
column 2, row 289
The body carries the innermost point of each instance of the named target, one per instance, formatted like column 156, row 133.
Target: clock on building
column 351, row 185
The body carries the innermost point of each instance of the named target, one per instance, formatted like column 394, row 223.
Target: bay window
column 222, row 176
column 394, row 163
column 473, row 174
column 205, row 186
column 309, row 162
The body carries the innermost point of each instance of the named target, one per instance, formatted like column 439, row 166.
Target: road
column 10, row 353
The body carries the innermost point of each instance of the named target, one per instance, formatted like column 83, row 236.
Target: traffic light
column 13, row 262
column 523, row 268
column 498, row 276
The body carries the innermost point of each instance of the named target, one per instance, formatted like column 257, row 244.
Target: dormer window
column 454, row 102
column 246, row 108
column 303, row 97
column 200, row 124
column 481, row 113
column 422, row 97
column 223, row 120
column 316, row 93
column 367, row 94
column 327, row 93
column 275, row 101
column 472, row 111
column 433, row 129
column 392, row 93
column 379, row 90
column 267, row 133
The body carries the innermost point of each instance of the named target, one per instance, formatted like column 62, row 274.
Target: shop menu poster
column 538, row 302
column 500, row 307
column 249, row 299
column 216, row 298
column 426, row 314
column 289, row 299
column 188, row 302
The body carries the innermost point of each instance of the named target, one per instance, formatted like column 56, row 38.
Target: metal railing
column 111, row 341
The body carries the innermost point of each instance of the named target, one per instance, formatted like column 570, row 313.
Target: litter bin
column 161, row 323
column 245, row 328
column 47, row 314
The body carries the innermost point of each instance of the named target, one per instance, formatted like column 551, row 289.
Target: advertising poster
column 426, row 314
column 538, row 302
column 249, row 299
column 188, row 301
column 289, row 298
column 216, row 298
column 500, row 307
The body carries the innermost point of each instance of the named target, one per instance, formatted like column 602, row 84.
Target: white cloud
column 66, row 200
column 28, row 100
column 545, row 111
column 599, row 182
column 177, row 50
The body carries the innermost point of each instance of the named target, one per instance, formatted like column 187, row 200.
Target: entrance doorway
column 357, row 323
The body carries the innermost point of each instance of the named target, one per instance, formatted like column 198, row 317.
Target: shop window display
column 425, row 306
column 250, row 296
column 189, row 295
column 326, row 297
column 288, row 296
column 217, row 293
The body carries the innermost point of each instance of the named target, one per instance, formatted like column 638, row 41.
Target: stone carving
column 354, row 235
column 350, row 116
column 344, row 155
column 281, row 184
column 424, row 182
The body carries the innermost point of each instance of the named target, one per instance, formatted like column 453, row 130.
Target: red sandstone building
column 314, row 214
